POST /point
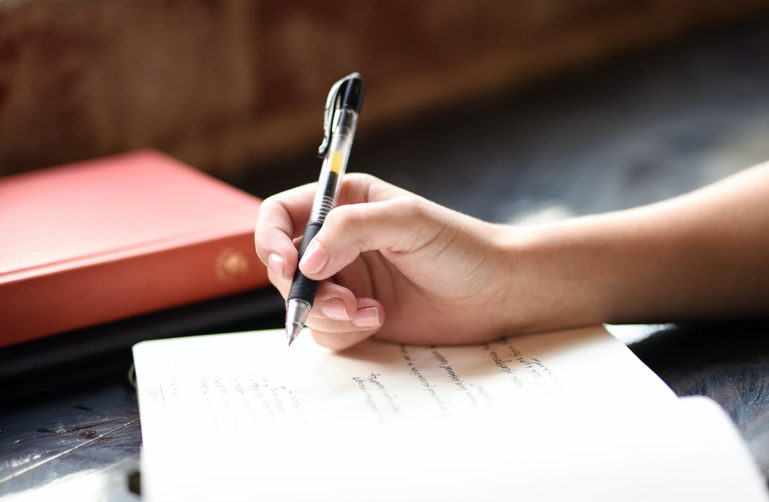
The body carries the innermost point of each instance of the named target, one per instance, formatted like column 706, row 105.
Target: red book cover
column 102, row 240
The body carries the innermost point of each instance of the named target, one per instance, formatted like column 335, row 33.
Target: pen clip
column 332, row 103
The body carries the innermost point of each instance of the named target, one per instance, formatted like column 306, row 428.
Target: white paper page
column 239, row 417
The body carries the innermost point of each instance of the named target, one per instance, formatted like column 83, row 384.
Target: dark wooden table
column 80, row 446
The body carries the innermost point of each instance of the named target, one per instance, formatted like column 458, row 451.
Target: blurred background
column 514, row 110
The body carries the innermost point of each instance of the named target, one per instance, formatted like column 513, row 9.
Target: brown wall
column 231, row 83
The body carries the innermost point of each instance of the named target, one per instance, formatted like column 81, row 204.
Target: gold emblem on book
column 230, row 264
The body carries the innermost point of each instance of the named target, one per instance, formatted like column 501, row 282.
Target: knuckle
column 263, row 218
column 409, row 209
column 345, row 218
column 269, row 205
column 360, row 177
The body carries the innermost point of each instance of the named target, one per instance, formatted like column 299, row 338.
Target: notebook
column 569, row 415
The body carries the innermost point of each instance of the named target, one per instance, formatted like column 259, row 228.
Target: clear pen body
column 302, row 292
column 334, row 164
column 340, row 118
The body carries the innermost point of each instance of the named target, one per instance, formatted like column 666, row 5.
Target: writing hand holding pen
column 407, row 270
column 390, row 263
column 399, row 267
column 379, row 252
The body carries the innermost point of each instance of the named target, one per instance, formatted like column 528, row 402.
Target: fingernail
column 315, row 257
column 275, row 261
column 366, row 317
column 335, row 309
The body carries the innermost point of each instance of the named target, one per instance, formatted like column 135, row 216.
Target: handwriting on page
column 372, row 383
column 451, row 380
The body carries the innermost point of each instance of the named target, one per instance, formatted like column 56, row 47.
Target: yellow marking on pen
column 336, row 161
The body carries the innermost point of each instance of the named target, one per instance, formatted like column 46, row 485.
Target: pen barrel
column 334, row 164
column 303, row 288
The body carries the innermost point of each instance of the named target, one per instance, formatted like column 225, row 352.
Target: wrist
column 556, row 277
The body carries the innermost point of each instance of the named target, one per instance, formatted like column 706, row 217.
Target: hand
column 407, row 270
column 391, row 264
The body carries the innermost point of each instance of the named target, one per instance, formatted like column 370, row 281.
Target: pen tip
column 292, row 331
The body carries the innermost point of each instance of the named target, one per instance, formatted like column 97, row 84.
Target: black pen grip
column 303, row 288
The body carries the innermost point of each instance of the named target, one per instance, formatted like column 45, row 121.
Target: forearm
column 704, row 255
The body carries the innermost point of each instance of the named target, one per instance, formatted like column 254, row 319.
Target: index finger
column 282, row 217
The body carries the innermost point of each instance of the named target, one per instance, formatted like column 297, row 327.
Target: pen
column 339, row 120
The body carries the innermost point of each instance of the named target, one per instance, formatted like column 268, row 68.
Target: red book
column 102, row 240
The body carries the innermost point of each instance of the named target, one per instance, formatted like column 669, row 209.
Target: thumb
column 398, row 225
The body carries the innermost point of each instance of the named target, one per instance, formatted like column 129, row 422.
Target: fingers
column 399, row 225
column 282, row 217
column 280, row 221
column 338, row 320
column 331, row 300
column 339, row 335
